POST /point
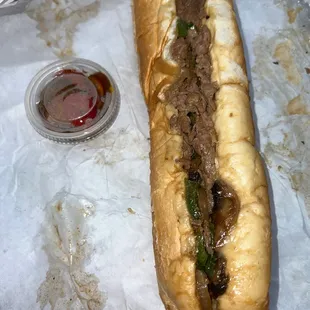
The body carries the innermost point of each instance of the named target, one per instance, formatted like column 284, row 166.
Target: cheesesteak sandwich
column 211, row 218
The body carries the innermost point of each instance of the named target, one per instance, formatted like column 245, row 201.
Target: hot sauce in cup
column 73, row 98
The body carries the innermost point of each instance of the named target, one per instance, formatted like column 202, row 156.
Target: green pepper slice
column 191, row 196
column 210, row 265
column 202, row 255
column 183, row 27
column 212, row 231
column 205, row 261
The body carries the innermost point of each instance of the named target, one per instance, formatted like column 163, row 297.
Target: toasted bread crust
column 248, row 247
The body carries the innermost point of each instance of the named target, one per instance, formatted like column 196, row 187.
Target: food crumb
column 143, row 259
column 131, row 211
column 279, row 167
column 275, row 62
column 307, row 70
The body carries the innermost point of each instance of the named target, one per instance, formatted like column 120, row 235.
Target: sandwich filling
column 213, row 205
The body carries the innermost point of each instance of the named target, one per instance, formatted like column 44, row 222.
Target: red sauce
column 73, row 98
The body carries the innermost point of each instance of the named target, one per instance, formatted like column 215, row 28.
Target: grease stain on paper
column 280, row 74
column 279, row 67
column 67, row 285
column 297, row 106
column 292, row 14
column 120, row 145
column 283, row 54
column 290, row 154
column 57, row 21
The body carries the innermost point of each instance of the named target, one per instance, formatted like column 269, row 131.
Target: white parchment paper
column 112, row 171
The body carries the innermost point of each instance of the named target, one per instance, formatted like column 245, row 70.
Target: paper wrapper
column 52, row 253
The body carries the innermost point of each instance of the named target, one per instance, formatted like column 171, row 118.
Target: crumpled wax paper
column 75, row 220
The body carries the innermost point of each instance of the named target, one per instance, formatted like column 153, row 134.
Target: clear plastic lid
column 72, row 100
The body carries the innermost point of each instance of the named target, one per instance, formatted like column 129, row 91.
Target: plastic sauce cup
column 72, row 101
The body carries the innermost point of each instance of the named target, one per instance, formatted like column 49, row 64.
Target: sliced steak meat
column 193, row 93
column 190, row 10
column 179, row 52
column 193, row 97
